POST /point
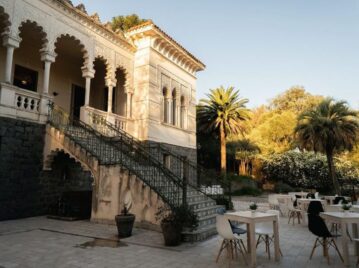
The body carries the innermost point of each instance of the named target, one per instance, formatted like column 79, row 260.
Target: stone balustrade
column 97, row 119
column 23, row 104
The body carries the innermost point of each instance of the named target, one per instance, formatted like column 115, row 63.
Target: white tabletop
column 249, row 216
column 349, row 216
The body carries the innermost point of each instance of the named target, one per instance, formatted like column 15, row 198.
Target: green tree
column 295, row 99
column 224, row 112
column 245, row 151
column 329, row 128
column 275, row 133
column 124, row 23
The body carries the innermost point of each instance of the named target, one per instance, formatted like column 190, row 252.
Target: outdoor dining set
column 328, row 218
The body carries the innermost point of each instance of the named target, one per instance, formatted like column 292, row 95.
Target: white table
column 251, row 218
column 344, row 219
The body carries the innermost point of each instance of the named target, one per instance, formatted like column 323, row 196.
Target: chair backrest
column 317, row 226
column 338, row 200
column 272, row 199
column 315, row 207
column 310, row 195
column 223, row 227
column 316, row 195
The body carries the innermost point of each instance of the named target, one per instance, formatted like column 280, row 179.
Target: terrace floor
column 41, row 242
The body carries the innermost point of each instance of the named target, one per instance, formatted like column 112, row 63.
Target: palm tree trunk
column 332, row 174
column 223, row 150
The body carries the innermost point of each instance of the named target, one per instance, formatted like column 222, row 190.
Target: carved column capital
column 11, row 41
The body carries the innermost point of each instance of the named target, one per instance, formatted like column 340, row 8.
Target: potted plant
column 346, row 207
column 174, row 220
column 253, row 207
column 124, row 222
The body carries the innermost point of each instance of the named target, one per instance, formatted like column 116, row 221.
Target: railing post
column 185, row 181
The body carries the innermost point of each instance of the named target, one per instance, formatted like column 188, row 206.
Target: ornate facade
column 142, row 80
column 66, row 81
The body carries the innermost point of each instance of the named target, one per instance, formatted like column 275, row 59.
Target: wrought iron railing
column 124, row 150
column 206, row 181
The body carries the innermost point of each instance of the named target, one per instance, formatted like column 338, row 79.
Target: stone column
column 169, row 111
column 47, row 57
column 109, row 99
column 10, row 42
column 129, row 104
column 88, row 75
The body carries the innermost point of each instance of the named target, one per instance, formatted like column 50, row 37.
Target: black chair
column 311, row 195
column 318, row 227
column 236, row 229
column 315, row 207
column 337, row 200
column 295, row 203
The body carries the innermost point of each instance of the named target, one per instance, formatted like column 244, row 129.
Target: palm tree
column 329, row 128
column 223, row 113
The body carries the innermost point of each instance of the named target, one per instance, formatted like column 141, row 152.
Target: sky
column 260, row 47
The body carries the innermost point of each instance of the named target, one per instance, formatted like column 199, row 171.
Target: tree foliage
column 329, row 128
column 223, row 112
column 306, row 170
column 124, row 23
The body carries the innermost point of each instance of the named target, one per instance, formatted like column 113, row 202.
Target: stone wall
column 66, row 176
column 21, row 147
column 175, row 164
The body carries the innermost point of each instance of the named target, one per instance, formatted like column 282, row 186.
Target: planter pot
column 124, row 225
column 171, row 234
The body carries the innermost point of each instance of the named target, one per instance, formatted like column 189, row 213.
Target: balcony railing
column 23, row 104
column 98, row 119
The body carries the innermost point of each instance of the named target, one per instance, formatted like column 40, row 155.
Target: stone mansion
column 137, row 87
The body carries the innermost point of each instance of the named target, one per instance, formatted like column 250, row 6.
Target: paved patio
column 41, row 242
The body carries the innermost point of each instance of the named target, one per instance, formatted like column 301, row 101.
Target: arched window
column 165, row 105
column 174, row 107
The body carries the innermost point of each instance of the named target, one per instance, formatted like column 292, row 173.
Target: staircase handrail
column 65, row 123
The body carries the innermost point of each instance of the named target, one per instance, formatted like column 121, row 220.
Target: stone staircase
column 110, row 151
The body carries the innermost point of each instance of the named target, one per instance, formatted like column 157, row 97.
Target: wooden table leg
column 345, row 244
column 248, row 239
column 276, row 240
column 252, row 238
column 355, row 235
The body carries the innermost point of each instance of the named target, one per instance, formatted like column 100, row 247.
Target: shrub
column 305, row 170
column 281, row 187
column 248, row 191
column 223, row 201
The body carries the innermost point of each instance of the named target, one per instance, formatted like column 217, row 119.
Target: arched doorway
column 66, row 82
column 28, row 67
column 98, row 95
column 67, row 188
column 120, row 96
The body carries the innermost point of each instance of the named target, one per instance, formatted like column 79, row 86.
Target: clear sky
column 260, row 47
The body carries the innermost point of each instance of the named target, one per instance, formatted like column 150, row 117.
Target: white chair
column 231, row 242
column 283, row 205
column 294, row 213
column 316, row 195
column 273, row 201
column 264, row 230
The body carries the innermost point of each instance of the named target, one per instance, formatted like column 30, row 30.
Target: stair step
column 200, row 234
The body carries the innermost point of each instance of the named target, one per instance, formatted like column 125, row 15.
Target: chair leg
column 337, row 250
column 267, row 245
column 314, row 247
column 258, row 240
column 220, row 250
column 245, row 249
column 242, row 251
column 325, row 249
